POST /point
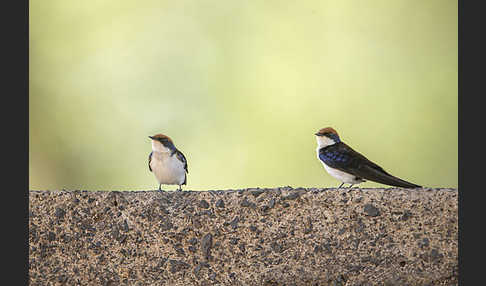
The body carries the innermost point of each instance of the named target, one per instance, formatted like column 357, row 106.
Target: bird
column 349, row 166
column 167, row 163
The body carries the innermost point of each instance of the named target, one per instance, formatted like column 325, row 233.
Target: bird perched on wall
column 167, row 163
column 349, row 166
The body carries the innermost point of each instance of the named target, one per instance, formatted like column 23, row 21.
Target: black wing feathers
column 150, row 160
column 342, row 157
column 182, row 158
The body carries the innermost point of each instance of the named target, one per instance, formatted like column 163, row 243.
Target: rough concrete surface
column 280, row 236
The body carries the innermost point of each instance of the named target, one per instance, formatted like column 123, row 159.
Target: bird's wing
column 182, row 158
column 150, row 160
column 342, row 157
column 372, row 174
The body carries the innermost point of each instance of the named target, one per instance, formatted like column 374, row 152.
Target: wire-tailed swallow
column 166, row 162
column 349, row 166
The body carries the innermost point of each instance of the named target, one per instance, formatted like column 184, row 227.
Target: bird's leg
column 160, row 185
column 341, row 185
column 180, row 188
column 351, row 186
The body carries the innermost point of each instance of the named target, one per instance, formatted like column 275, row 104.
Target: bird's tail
column 387, row 179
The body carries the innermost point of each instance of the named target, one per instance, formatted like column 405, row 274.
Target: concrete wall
column 279, row 236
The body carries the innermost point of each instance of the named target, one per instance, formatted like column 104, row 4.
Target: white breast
column 167, row 169
column 341, row 176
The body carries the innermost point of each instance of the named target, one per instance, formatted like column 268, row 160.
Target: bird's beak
column 317, row 134
column 151, row 137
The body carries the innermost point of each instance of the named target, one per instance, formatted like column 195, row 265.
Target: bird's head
column 327, row 136
column 162, row 143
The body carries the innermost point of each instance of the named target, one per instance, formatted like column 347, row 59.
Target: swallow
column 349, row 166
column 167, row 163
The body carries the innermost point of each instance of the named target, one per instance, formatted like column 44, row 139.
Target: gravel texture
column 279, row 236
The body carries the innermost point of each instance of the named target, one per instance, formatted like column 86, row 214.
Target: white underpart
column 341, row 176
column 168, row 170
column 323, row 141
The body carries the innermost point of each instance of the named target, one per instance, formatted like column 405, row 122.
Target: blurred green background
column 241, row 87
